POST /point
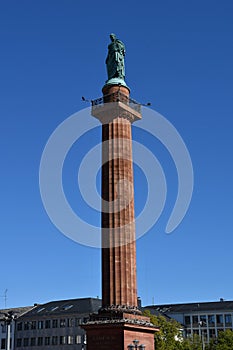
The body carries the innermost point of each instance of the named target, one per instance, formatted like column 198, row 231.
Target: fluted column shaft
column 118, row 228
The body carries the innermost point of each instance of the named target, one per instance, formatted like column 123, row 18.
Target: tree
column 194, row 343
column 224, row 341
column 170, row 337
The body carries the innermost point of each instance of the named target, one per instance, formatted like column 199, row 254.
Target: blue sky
column 179, row 57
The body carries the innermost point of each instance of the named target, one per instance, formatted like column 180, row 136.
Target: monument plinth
column 119, row 321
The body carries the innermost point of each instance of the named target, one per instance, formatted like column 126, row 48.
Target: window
column 62, row 322
column 203, row 320
column 40, row 310
column 67, row 307
column 212, row 333
column 219, row 320
column 78, row 321
column 33, row 341
column 19, row 326
column 47, row 341
column 25, row 341
column 26, row 326
column 195, row 321
column 40, row 324
column 204, row 334
column 3, row 343
column 40, row 341
column 70, row 339
column 54, row 323
column 47, row 324
column 228, row 321
column 19, row 342
column 187, row 320
column 33, row 325
column 78, row 339
column 211, row 320
column 70, row 322
column 53, row 308
column 54, row 340
column 62, row 340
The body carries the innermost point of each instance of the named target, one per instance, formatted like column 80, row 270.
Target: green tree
column 224, row 341
column 194, row 343
column 170, row 337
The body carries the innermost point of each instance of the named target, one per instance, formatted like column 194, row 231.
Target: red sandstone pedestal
column 119, row 321
column 118, row 334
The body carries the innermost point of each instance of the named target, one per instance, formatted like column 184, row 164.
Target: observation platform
column 114, row 105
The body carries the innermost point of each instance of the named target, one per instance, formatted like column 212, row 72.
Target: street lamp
column 202, row 324
column 136, row 346
column 9, row 317
column 84, row 343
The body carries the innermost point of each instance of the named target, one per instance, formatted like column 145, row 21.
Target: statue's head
column 112, row 37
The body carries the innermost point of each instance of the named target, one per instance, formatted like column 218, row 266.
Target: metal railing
column 117, row 97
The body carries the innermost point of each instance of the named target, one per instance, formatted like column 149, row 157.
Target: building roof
column 18, row 311
column 70, row 306
column 214, row 306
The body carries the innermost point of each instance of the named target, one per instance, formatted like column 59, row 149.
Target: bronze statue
column 115, row 59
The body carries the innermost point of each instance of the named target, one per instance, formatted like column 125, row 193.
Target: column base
column 116, row 331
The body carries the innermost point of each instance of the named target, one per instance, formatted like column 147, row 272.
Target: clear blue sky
column 179, row 57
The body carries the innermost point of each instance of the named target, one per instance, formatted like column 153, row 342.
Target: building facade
column 205, row 319
column 55, row 324
column 4, row 315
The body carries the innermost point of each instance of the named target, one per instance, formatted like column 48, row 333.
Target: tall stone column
column 119, row 322
column 118, row 228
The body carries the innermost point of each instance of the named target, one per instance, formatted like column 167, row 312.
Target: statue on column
column 115, row 61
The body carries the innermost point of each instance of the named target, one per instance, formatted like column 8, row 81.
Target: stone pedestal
column 118, row 334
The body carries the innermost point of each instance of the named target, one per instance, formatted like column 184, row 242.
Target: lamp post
column 9, row 317
column 201, row 324
column 84, row 342
column 136, row 346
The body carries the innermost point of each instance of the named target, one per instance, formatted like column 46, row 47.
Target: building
column 205, row 319
column 56, row 324
column 4, row 315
